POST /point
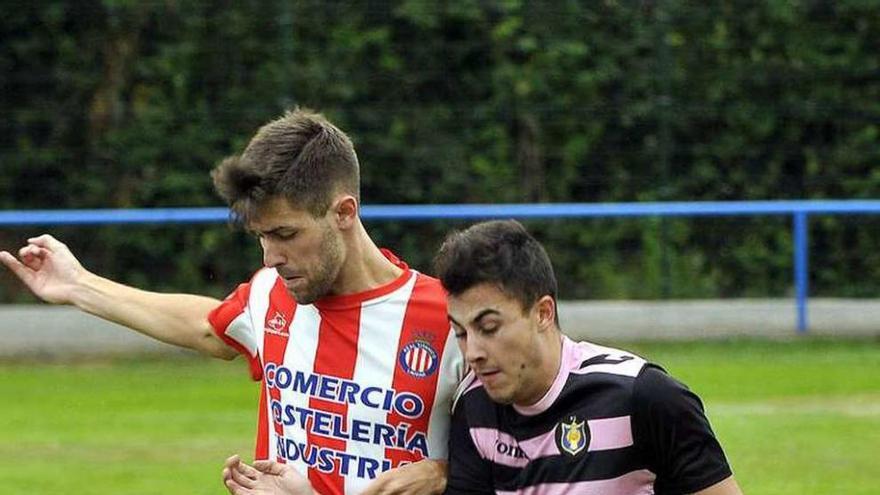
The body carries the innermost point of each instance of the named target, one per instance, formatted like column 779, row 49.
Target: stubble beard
column 326, row 272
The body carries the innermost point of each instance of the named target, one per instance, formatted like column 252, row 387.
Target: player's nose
column 273, row 256
column 474, row 351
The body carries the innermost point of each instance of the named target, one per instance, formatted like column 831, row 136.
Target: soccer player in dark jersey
column 542, row 414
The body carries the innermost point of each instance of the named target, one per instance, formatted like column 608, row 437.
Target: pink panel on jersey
column 498, row 447
column 610, row 433
column 639, row 482
column 541, row 445
column 502, row 448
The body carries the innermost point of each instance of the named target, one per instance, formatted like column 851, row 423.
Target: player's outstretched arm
column 52, row 273
column 426, row 477
column 263, row 478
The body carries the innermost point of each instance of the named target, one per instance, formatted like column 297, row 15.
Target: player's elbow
column 207, row 342
column 225, row 354
column 217, row 349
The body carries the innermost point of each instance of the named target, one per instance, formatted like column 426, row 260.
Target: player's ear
column 345, row 211
column 545, row 313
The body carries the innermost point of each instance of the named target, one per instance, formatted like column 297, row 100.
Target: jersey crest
column 572, row 437
column 277, row 324
column 418, row 358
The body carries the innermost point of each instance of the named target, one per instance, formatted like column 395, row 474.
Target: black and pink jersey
column 611, row 424
column 352, row 385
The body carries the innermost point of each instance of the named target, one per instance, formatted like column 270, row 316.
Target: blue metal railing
column 799, row 210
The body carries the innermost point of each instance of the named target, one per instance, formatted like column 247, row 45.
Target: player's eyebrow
column 273, row 230
column 486, row 312
column 482, row 314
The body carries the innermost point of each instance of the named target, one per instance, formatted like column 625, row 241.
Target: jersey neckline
column 569, row 358
column 350, row 300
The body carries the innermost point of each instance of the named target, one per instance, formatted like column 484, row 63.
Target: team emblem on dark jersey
column 419, row 359
column 572, row 437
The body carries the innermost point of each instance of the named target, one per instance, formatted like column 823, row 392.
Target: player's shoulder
column 429, row 283
column 427, row 293
column 428, row 279
column 469, row 392
column 655, row 388
column 588, row 358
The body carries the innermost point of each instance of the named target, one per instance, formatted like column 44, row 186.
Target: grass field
column 794, row 417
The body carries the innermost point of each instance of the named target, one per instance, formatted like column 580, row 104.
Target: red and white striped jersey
column 352, row 385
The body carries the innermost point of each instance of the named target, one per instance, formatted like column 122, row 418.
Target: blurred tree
column 118, row 103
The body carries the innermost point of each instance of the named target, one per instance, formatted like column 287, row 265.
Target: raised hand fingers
column 20, row 269
column 29, row 250
column 46, row 241
column 32, row 250
column 33, row 256
column 7, row 258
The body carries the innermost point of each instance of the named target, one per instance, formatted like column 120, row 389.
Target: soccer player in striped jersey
column 352, row 347
column 540, row 414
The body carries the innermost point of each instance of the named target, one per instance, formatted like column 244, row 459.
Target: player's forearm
column 177, row 319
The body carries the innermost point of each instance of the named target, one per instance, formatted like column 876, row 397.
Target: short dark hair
column 499, row 252
column 300, row 156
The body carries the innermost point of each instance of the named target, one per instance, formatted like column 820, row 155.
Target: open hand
column 263, row 478
column 47, row 268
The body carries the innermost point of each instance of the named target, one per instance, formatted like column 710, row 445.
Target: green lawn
column 794, row 417
column 145, row 426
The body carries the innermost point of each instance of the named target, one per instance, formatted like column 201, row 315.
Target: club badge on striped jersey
column 572, row 436
column 277, row 325
column 419, row 359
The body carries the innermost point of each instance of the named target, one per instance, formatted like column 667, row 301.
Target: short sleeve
column 233, row 325
column 469, row 473
column 671, row 428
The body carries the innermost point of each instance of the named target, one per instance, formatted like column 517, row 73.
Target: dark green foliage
column 118, row 103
